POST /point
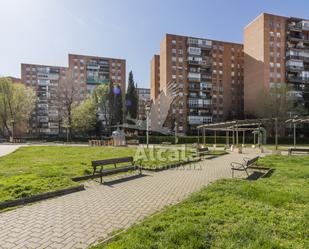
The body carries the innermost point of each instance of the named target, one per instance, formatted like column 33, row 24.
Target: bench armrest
column 235, row 165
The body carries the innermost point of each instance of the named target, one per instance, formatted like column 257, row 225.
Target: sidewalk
column 80, row 219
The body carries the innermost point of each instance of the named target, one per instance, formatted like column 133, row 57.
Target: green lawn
column 268, row 213
column 39, row 169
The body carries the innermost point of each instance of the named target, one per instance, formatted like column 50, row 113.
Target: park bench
column 201, row 152
column 132, row 142
column 248, row 162
column 291, row 150
column 166, row 143
column 98, row 166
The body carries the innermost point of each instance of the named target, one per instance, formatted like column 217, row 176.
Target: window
column 180, row 59
column 278, row 35
column 271, row 64
column 180, row 51
column 174, row 50
column 278, row 65
column 173, row 58
column 278, row 44
column 173, row 41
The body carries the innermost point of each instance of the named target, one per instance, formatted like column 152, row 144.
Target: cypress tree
column 131, row 98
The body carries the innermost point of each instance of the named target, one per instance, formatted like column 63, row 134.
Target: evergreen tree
column 118, row 112
column 131, row 98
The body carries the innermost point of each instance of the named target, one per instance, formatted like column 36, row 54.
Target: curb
column 39, row 197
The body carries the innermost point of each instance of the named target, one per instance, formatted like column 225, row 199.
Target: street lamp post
column 147, row 124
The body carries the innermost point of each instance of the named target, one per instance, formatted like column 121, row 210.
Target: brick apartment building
column 86, row 72
column 206, row 76
column 276, row 52
column 143, row 101
column 155, row 77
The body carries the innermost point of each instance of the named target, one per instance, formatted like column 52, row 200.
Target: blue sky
column 45, row 31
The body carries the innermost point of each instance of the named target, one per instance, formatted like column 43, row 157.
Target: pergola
column 235, row 127
column 253, row 125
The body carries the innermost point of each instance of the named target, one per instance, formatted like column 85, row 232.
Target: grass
column 268, row 213
column 38, row 169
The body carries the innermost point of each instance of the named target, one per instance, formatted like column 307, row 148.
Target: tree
column 84, row 117
column 69, row 92
column 16, row 104
column 131, row 98
column 276, row 102
column 101, row 99
column 111, row 103
column 118, row 104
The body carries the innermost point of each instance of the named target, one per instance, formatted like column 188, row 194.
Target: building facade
column 206, row 78
column 83, row 74
column 45, row 80
column 143, row 101
column 276, row 52
column 155, row 77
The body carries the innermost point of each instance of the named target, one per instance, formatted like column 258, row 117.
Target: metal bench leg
column 247, row 172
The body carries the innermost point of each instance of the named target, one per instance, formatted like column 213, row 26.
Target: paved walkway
column 80, row 219
column 7, row 149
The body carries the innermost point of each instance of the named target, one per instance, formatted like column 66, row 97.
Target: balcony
column 295, row 27
column 194, row 62
column 96, row 81
column 298, row 79
column 194, row 77
column 197, row 120
column 295, row 37
column 294, row 68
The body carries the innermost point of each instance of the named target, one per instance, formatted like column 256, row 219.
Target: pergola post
column 259, row 144
column 294, row 127
column 233, row 135
column 237, row 135
column 243, row 138
column 215, row 138
column 198, row 136
column 276, row 133
column 254, row 134
column 204, row 136
column 227, row 138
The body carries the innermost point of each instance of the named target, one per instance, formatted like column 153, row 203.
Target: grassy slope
column 39, row 169
column 268, row 213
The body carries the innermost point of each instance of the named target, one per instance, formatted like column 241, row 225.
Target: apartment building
column 84, row 73
column 276, row 52
column 45, row 80
column 206, row 78
column 155, row 77
column 143, row 101
column 94, row 70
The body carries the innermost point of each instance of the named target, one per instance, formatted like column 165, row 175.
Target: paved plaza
column 80, row 219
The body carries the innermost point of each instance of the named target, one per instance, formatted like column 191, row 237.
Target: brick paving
column 80, row 219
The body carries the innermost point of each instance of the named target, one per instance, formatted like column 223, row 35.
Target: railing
column 294, row 68
column 297, row 79
column 194, row 62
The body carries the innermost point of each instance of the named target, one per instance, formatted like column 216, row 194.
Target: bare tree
column 70, row 93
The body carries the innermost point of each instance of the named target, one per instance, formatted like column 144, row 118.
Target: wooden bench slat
column 112, row 161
